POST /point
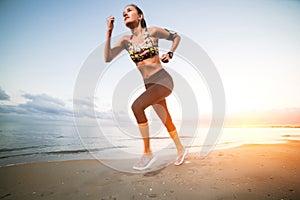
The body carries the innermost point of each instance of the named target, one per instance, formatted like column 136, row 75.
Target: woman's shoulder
column 125, row 39
column 154, row 31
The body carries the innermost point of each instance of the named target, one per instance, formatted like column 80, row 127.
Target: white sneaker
column 145, row 162
column 180, row 158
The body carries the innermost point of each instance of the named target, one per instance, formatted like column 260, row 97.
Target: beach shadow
column 155, row 172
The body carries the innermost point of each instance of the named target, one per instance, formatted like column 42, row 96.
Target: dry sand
column 248, row 172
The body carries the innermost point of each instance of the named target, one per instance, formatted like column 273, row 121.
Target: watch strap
column 170, row 54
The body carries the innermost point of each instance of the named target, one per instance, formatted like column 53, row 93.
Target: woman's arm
column 161, row 33
column 111, row 53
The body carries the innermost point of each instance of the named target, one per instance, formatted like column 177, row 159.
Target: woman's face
column 131, row 16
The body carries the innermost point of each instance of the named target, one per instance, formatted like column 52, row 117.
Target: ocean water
column 27, row 143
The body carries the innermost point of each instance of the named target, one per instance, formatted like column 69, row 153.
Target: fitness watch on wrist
column 170, row 54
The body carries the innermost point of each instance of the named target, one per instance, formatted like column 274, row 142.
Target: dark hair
column 143, row 22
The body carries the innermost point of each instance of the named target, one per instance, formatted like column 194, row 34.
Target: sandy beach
column 267, row 171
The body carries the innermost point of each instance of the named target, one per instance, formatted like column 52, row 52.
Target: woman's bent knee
column 136, row 107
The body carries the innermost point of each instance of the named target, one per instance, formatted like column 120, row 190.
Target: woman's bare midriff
column 149, row 66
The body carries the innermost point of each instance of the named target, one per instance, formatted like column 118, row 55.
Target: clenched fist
column 110, row 23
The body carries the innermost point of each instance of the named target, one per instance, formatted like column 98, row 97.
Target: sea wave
column 63, row 152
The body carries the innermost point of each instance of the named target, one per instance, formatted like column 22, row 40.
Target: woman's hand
column 110, row 23
column 165, row 58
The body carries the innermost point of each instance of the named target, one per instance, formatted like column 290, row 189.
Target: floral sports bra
column 147, row 49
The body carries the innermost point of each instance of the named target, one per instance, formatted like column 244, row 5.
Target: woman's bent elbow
column 106, row 59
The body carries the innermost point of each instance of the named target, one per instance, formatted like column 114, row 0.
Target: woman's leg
column 162, row 111
column 144, row 130
column 154, row 93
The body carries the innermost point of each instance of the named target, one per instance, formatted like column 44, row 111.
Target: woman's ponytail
column 143, row 23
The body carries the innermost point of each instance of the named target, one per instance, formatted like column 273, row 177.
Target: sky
column 255, row 46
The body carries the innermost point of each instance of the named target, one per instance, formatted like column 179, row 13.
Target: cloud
column 85, row 102
column 3, row 95
column 40, row 107
column 43, row 107
column 85, row 107
column 11, row 109
column 45, row 104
